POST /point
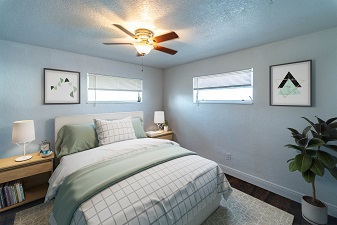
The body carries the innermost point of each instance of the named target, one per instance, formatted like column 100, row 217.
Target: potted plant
column 165, row 126
column 312, row 160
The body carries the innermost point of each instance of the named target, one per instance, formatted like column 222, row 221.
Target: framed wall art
column 61, row 86
column 290, row 84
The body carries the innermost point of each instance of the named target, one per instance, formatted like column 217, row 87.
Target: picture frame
column 61, row 86
column 290, row 84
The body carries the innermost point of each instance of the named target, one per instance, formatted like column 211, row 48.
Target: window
column 231, row 87
column 106, row 89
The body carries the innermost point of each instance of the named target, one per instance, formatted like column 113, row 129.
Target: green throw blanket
column 87, row 182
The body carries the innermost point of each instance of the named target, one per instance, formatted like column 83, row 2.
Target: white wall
column 255, row 134
column 22, row 81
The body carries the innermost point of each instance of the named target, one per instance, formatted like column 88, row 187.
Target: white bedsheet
column 169, row 193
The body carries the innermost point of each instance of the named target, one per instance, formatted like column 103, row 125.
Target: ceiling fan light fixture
column 145, row 40
column 143, row 48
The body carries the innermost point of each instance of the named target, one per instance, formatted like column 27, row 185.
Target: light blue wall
column 21, row 93
column 255, row 134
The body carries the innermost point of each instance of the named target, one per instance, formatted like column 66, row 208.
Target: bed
column 131, row 180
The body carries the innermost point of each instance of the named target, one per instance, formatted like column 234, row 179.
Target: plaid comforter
column 170, row 193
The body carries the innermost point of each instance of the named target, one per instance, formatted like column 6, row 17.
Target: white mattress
column 174, row 192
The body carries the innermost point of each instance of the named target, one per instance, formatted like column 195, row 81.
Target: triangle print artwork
column 289, row 86
column 66, row 80
column 289, row 89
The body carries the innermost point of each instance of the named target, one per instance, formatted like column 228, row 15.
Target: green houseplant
column 165, row 125
column 313, row 159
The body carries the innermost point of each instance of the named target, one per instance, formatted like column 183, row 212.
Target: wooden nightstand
column 34, row 173
column 162, row 135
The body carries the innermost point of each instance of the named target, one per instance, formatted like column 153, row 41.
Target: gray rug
column 239, row 209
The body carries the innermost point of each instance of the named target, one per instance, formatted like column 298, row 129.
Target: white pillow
column 113, row 131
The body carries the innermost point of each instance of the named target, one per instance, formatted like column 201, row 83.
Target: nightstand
column 161, row 135
column 34, row 174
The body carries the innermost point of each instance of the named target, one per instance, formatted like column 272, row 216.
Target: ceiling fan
column 145, row 41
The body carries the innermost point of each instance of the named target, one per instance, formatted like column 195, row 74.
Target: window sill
column 113, row 102
column 226, row 102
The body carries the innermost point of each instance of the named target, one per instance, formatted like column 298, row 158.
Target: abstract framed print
column 290, row 84
column 61, row 86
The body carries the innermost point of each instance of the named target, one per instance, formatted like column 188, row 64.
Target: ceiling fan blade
column 125, row 30
column 166, row 50
column 117, row 43
column 166, row 37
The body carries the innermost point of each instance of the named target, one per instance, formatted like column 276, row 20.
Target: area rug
column 240, row 208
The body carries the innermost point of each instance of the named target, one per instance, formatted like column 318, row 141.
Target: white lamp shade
column 23, row 131
column 159, row 117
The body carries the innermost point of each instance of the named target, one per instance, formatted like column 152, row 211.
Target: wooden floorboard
column 292, row 207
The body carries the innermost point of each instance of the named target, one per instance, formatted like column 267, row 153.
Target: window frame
column 243, row 102
column 112, row 89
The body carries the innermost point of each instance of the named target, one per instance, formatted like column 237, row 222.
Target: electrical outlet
column 228, row 156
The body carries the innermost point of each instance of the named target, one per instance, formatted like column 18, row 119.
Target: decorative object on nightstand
column 159, row 119
column 161, row 134
column 23, row 132
column 45, row 150
column 166, row 126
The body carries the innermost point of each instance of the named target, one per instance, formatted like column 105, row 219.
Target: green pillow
column 75, row 138
column 138, row 127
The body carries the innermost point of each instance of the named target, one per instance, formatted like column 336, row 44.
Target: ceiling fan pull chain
column 142, row 62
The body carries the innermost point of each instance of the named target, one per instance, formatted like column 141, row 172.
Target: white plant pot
column 165, row 128
column 314, row 214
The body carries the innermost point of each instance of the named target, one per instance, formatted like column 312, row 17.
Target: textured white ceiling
column 206, row 28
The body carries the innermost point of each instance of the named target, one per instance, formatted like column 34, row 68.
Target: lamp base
column 23, row 158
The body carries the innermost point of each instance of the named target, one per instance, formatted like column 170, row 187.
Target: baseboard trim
column 278, row 189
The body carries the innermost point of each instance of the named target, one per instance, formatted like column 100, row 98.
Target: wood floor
column 294, row 208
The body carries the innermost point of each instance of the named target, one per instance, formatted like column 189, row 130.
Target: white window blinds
column 224, row 80
column 229, row 87
column 104, row 88
column 103, row 82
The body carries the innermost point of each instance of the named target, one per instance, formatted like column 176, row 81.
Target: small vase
column 165, row 128
column 314, row 214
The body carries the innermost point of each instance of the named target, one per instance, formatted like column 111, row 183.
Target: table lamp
column 23, row 132
column 159, row 118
